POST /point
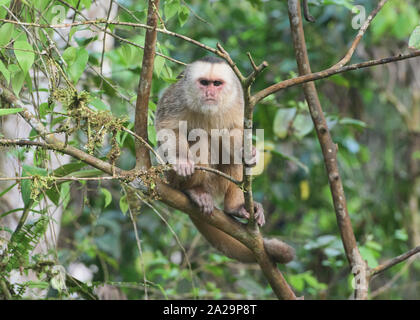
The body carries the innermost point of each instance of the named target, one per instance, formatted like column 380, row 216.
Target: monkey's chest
column 215, row 147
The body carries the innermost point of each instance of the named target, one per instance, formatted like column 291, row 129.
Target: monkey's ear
column 181, row 75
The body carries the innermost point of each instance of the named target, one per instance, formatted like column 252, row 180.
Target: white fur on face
column 211, row 71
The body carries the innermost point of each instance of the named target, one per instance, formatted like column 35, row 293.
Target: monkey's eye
column 204, row 82
column 217, row 83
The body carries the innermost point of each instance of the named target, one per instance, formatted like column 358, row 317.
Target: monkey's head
column 211, row 86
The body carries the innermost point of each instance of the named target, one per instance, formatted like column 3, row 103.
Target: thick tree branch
column 329, row 149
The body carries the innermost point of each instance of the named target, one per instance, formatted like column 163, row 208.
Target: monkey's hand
column 258, row 211
column 184, row 167
column 202, row 199
column 250, row 160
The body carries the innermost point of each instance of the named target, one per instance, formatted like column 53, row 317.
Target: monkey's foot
column 250, row 160
column 258, row 211
column 184, row 168
column 202, row 199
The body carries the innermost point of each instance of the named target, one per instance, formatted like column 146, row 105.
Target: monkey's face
column 211, row 87
column 210, row 90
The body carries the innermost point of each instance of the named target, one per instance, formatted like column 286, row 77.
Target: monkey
column 208, row 96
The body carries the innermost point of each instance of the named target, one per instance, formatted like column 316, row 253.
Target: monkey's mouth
column 210, row 100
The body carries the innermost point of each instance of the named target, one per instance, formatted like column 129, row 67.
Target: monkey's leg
column 234, row 202
column 202, row 198
column 235, row 205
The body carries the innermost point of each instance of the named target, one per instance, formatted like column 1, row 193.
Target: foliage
column 91, row 109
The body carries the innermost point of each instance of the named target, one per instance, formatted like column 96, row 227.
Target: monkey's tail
column 278, row 250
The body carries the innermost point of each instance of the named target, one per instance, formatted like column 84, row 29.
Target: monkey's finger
column 191, row 167
column 241, row 213
column 177, row 169
column 253, row 159
column 184, row 169
column 259, row 213
column 206, row 203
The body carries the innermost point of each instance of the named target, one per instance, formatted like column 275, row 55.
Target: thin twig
column 111, row 3
column 390, row 263
column 360, row 35
column 140, row 252
column 257, row 97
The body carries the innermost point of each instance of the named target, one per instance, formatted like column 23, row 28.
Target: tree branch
column 329, row 148
column 257, row 97
column 143, row 92
column 360, row 35
column 390, row 263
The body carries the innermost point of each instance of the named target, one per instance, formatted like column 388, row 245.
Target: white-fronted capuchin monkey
column 207, row 100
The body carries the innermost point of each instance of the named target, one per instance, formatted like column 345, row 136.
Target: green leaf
column 26, row 185
column 369, row 255
column 158, row 65
column 302, row 125
column 282, row 121
column 86, row 3
column 373, row 245
column 5, row 72
column 24, row 55
column 353, row 122
column 108, row 197
column 170, row 8
column 54, row 194
column 340, row 80
column 72, row 32
column 79, row 65
column 151, row 133
column 401, row 234
column 124, row 204
column 4, row 2
column 37, row 284
column 6, row 32
column 414, row 41
column 68, row 168
column 76, row 60
column 7, row 190
column 183, row 15
column 99, row 104
column 17, row 82
column 407, row 21
column 69, row 55
column 65, row 194
column 4, row 112
column 297, row 282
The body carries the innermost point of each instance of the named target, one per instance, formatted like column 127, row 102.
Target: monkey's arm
column 184, row 166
